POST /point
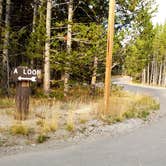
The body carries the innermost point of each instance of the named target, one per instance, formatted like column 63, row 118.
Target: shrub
column 20, row 129
column 42, row 138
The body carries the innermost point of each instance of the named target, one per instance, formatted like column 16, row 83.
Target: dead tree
column 69, row 47
column 47, row 48
column 5, row 52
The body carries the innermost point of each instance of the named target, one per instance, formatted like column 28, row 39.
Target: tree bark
column 151, row 75
column 164, row 73
column 160, row 74
column 5, row 56
column 93, row 80
column 34, row 24
column 47, row 49
column 1, row 9
column 148, row 74
column 155, row 74
column 144, row 76
column 69, row 47
column 34, row 15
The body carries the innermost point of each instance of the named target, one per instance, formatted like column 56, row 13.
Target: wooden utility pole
column 47, row 48
column 109, row 56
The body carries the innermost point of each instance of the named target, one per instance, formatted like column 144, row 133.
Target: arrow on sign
column 33, row 79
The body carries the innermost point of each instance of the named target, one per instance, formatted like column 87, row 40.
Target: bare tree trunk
column 1, row 9
column 34, row 23
column 34, row 15
column 160, row 74
column 155, row 73
column 47, row 48
column 5, row 56
column 148, row 74
column 144, row 76
column 152, row 72
column 164, row 73
column 153, row 82
column 93, row 80
column 69, row 45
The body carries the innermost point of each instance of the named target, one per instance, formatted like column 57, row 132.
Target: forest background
column 67, row 40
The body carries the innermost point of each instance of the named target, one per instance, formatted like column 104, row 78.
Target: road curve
column 145, row 146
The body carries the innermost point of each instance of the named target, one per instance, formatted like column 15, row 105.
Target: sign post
column 22, row 100
column 109, row 56
column 23, row 76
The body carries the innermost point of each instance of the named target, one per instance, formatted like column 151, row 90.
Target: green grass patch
column 42, row 138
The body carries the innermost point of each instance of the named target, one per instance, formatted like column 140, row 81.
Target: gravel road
column 145, row 146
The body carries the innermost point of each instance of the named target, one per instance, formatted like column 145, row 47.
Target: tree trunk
column 164, row 74
column 34, row 15
column 69, row 45
column 152, row 72
column 148, row 74
column 47, row 49
column 1, row 9
column 5, row 56
column 34, row 24
column 144, row 76
column 93, row 80
column 155, row 72
column 160, row 74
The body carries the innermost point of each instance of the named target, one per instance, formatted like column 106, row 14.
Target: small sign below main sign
column 26, row 74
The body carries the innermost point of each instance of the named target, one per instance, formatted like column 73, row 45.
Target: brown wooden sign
column 26, row 74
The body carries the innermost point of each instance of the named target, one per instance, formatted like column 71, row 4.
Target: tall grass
column 128, row 105
column 7, row 102
column 47, row 115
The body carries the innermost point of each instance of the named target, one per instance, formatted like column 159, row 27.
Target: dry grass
column 47, row 115
column 20, row 128
column 48, row 123
column 83, row 118
column 2, row 129
column 128, row 105
column 70, row 125
column 6, row 102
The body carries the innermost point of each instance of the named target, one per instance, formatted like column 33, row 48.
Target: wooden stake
column 109, row 56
